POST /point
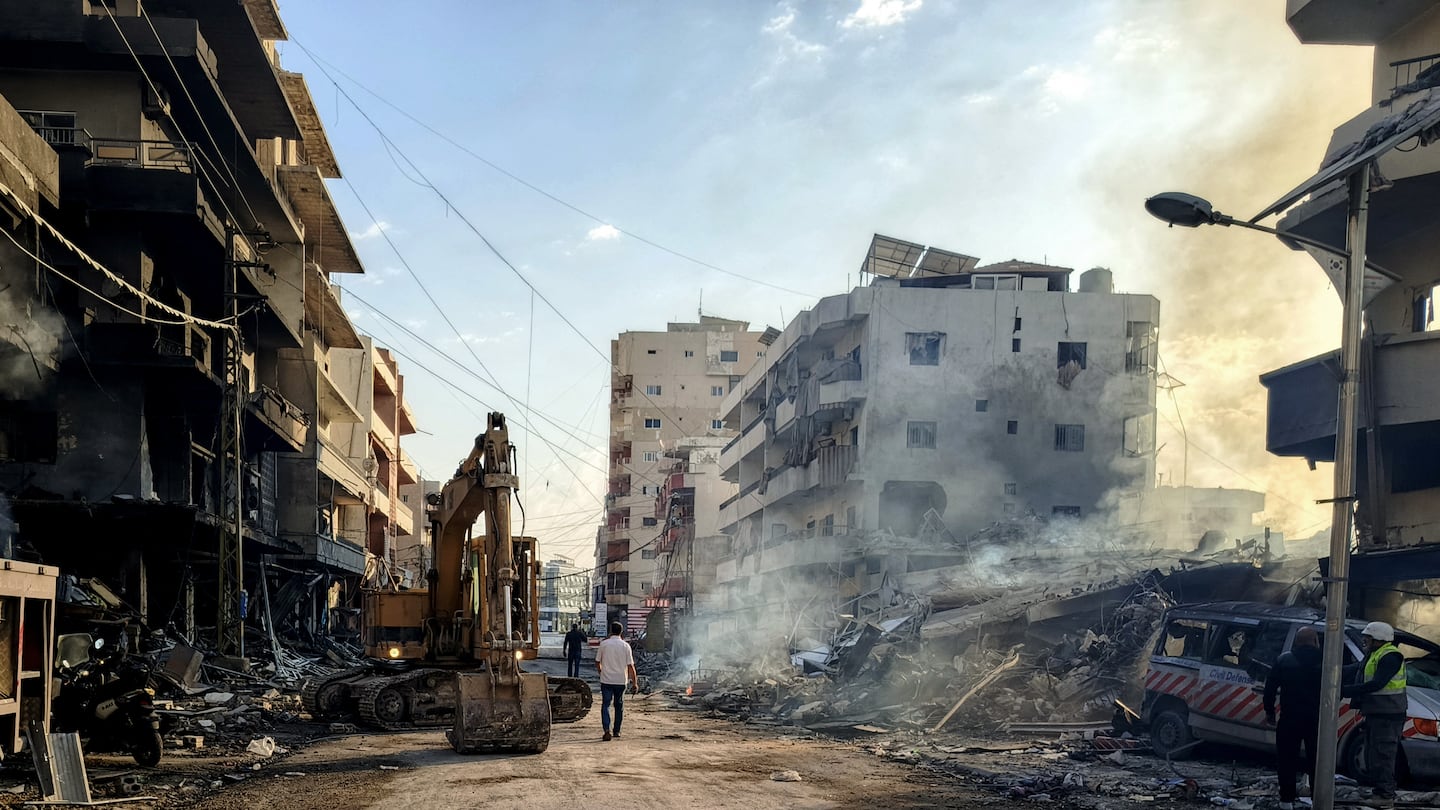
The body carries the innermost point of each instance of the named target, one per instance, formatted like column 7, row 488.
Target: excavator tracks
column 570, row 699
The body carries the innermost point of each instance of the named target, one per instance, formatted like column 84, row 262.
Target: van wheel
column 1170, row 734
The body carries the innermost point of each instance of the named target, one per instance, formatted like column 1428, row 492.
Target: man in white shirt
column 616, row 663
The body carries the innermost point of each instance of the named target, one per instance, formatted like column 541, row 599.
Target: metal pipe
column 509, row 625
column 1342, row 516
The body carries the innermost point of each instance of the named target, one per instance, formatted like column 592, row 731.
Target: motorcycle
column 105, row 698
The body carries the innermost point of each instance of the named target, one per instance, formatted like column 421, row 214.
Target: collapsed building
column 188, row 413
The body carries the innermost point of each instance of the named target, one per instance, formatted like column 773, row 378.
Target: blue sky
column 771, row 140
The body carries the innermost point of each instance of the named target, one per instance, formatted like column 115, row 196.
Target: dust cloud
column 1261, row 108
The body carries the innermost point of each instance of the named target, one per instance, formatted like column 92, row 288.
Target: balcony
column 151, row 176
column 1342, row 22
column 841, row 392
column 340, row 555
column 408, row 473
column 176, row 348
column 280, row 419
column 1300, row 417
column 791, row 483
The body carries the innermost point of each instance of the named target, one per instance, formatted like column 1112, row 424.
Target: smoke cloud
column 1251, row 125
column 30, row 335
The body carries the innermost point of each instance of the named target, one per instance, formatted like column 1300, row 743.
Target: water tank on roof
column 1097, row 280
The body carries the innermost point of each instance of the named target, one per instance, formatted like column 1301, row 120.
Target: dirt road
column 667, row 758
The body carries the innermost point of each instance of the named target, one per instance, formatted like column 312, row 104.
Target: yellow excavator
column 450, row 655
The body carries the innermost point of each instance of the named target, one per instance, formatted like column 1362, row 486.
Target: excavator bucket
column 501, row 713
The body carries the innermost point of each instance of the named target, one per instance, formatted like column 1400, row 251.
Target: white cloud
column 604, row 232
column 781, row 22
column 880, row 13
column 416, row 323
column 376, row 228
column 1063, row 84
column 979, row 99
column 789, row 46
column 1133, row 42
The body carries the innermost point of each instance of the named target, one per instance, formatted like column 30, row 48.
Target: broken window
column 1011, row 488
column 1067, row 352
column 1231, row 644
column 920, row 434
column 28, row 435
column 652, row 390
column 827, row 526
column 617, row 584
column 850, row 524
column 729, row 357
column 1009, row 508
column 1070, row 438
column 1012, row 427
column 924, row 347
column 1139, row 435
column 1183, row 638
column 1065, row 511
column 982, row 405
column 1140, row 347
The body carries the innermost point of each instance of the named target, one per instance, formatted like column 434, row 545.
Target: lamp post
column 1190, row 211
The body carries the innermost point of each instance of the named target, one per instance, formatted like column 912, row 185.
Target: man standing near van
column 616, row 662
column 1376, row 689
column 1296, row 679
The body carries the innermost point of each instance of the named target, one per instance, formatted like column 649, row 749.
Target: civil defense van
column 1206, row 680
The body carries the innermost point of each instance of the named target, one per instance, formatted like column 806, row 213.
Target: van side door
column 1229, row 700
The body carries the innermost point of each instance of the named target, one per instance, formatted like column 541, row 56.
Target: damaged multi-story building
column 202, row 404
column 940, row 398
column 1398, row 463
column 664, row 386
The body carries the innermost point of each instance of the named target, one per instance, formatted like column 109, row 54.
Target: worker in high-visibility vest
column 1376, row 687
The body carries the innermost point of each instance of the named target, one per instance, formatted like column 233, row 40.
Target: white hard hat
column 1380, row 631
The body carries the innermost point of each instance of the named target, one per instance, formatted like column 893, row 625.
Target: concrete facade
column 564, row 593
column 1398, row 475
column 665, row 386
column 920, row 408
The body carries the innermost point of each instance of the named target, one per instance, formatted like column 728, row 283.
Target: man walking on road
column 574, row 644
column 616, row 663
column 1296, row 678
column 1377, row 690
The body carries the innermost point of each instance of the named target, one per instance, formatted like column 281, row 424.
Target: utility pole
column 1343, row 500
column 230, row 594
column 229, row 620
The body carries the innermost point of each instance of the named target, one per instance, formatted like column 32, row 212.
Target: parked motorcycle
column 104, row 696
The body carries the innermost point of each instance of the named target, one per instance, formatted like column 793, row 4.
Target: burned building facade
column 938, row 399
column 211, row 408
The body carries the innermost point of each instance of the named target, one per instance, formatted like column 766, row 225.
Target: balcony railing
column 1408, row 71
column 64, row 136
column 171, row 155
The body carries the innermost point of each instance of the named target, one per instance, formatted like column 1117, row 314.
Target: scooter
column 105, row 698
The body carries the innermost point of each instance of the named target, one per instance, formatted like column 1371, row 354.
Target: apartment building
column 413, row 555
column 191, row 172
column 1398, row 464
column 564, row 589
column 936, row 400
column 690, row 544
column 664, row 387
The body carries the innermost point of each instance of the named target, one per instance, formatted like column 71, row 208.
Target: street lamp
column 1189, row 211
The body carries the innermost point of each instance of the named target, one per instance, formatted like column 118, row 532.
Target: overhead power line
column 323, row 64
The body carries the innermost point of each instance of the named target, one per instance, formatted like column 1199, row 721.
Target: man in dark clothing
column 1296, row 679
column 1376, row 689
column 574, row 644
